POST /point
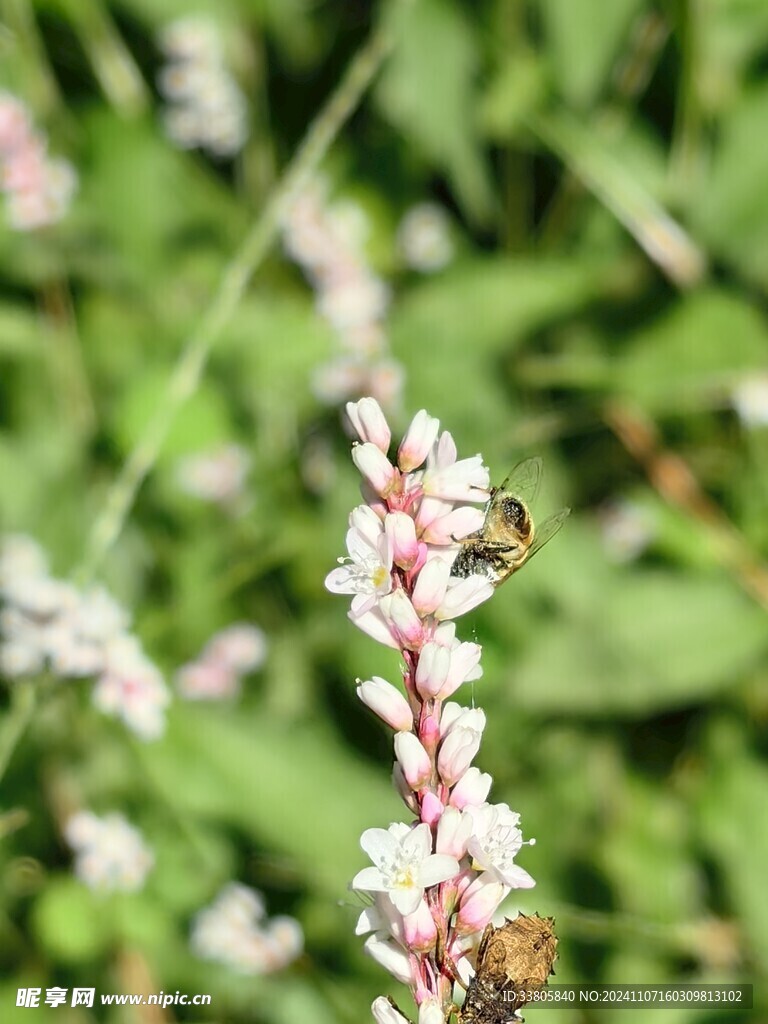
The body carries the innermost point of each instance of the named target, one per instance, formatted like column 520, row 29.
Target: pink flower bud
column 413, row 759
column 431, row 509
column 405, row 622
column 431, row 1012
column 456, row 524
column 464, row 667
column 385, row 1013
column 392, row 957
column 432, row 670
column 403, row 790
column 453, row 833
column 387, row 702
column 369, row 423
column 376, row 626
column 429, row 731
column 466, row 480
column 478, row 905
column 462, row 596
column 419, row 929
column 418, row 441
column 375, row 468
column 456, row 753
column 431, row 809
column 430, row 589
column 471, row 790
column 401, row 531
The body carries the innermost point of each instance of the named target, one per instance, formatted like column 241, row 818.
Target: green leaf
column 21, row 331
column 584, row 39
column 631, row 650
column 730, row 211
column 72, row 923
column 681, row 359
column 427, row 91
column 733, row 812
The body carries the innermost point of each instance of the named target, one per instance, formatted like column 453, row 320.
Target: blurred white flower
column 132, row 689
column 217, row 475
column 750, row 399
column 626, row 529
column 228, row 656
column 424, row 238
column 110, row 854
column 206, row 108
column 327, row 241
column 39, row 189
column 234, row 931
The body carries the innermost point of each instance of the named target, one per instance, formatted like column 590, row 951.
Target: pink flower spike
column 471, row 790
column 432, row 670
column 453, row 833
column 404, row 620
column 413, row 759
column 375, row 468
column 387, row 702
column 430, row 590
column 431, row 810
column 462, row 595
column 418, row 441
column 478, row 905
column 454, row 525
column 369, row 423
column 401, row 532
column 419, row 929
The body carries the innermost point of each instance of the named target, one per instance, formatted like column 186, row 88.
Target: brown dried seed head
column 522, row 951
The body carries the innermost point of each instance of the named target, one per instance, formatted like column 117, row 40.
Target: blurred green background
column 604, row 168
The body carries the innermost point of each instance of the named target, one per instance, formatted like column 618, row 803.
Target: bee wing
column 523, row 481
column 547, row 531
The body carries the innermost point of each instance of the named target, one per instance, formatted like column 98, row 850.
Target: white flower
column 404, row 864
column 234, row 931
column 424, row 238
column 367, row 572
column 217, row 475
column 110, row 853
column 132, row 689
column 384, row 1012
column 750, row 399
column 495, row 841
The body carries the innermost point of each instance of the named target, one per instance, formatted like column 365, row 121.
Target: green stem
column 113, row 64
column 190, row 365
column 23, row 703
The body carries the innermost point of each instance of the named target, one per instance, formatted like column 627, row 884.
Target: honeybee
column 508, row 538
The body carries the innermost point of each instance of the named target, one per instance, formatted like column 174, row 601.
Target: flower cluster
column 235, row 931
column 110, row 854
column 327, row 241
column 48, row 623
column 206, row 108
column 38, row 188
column 424, row 238
column 217, row 475
column 437, row 880
column 228, row 656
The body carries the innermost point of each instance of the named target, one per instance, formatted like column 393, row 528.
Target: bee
column 512, row 962
column 508, row 537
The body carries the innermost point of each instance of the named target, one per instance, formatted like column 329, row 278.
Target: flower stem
column 23, row 703
column 191, row 363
